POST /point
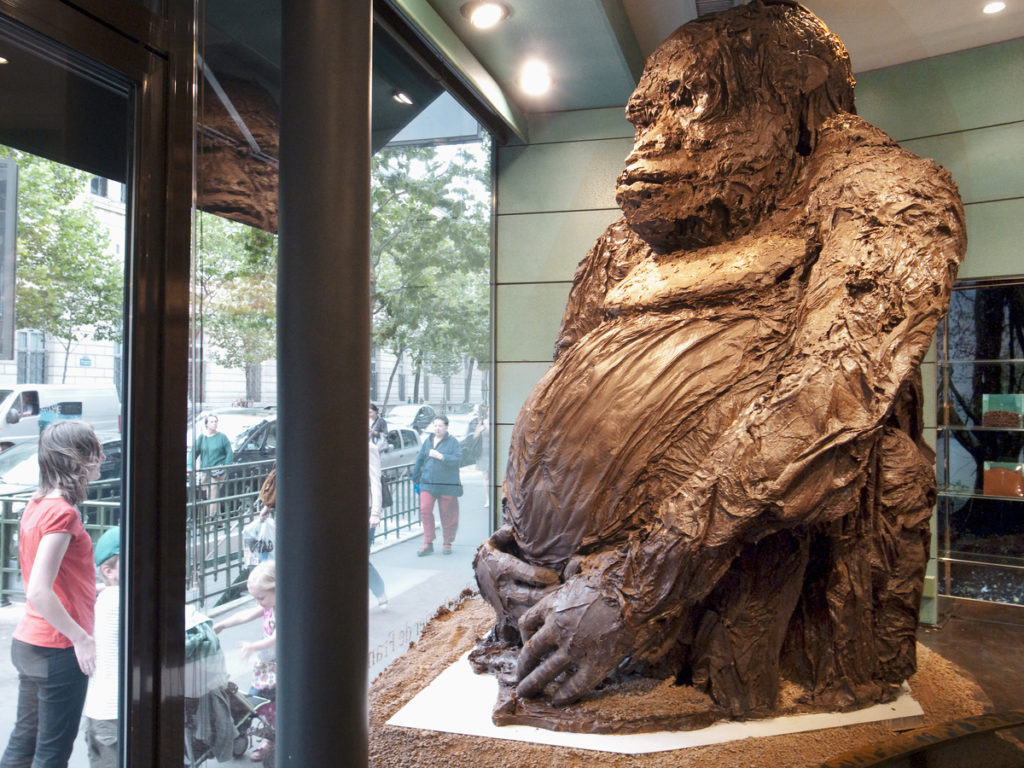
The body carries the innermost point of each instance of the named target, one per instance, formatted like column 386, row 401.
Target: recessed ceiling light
column 484, row 14
column 401, row 97
column 3, row 60
column 994, row 7
column 534, row 78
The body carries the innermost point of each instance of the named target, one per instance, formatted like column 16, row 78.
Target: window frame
column 156, row 58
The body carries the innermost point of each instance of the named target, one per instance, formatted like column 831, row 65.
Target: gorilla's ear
column 813, row 73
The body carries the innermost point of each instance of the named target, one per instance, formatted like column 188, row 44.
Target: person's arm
column 229, row 457
column 417, row 468
column 260, row 645
column 39, row 592
column 375, row 492
column 242, row 617
column 449, row 452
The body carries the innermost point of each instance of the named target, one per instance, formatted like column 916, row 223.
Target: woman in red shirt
column 53, row 648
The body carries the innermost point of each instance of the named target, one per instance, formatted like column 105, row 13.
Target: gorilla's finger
column 536, row 575
column 535, row 649
column 522, row 596
column 584, row 679
column 533, row 684
column 501, row 538
column 533, row 620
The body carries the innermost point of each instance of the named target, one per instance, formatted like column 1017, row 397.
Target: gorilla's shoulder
column 854, row 161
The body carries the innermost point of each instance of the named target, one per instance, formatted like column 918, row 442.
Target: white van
column 20, row 408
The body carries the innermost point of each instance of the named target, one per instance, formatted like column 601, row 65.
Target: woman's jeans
column 51, row 694
column 376, row 582
column 448, row 507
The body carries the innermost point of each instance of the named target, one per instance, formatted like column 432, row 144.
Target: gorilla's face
column 713, row 147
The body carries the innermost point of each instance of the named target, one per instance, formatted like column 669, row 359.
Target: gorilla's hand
column 509, row 584
column 578, row 630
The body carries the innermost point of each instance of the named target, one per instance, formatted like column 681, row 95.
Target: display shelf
column 974, row 428
column 980, row 558
column 954, row 494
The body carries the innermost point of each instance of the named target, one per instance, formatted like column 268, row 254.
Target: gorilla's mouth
column 642, row 175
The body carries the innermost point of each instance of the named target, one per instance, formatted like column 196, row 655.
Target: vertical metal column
column 323, row 382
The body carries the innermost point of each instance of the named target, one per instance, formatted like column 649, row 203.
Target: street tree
column 236, row 283
column 430, row 233
column 69, row 284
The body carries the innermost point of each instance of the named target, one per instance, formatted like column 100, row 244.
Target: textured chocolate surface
column 722, row 477
column 232, row 181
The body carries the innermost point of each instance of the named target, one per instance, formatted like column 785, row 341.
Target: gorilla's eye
column 680, row 95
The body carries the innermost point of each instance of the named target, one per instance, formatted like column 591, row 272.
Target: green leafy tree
column 237, row 284
column 429, row 257
column 69, row 285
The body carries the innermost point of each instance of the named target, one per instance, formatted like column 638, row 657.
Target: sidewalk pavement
column 416, row 587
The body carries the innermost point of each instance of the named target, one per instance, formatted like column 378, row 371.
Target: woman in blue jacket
column 436, row 475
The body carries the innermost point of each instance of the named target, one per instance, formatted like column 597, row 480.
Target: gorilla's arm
column 616, row 251
column 797, row 455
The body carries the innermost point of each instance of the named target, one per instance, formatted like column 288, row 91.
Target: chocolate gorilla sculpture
column 722, row 476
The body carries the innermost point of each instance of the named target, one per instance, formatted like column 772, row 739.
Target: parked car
column 259, row 442
column 251, row 432
column 416, row 416
column 26, row 406
column 400, row 448
column 19, row 471
column 462, row 426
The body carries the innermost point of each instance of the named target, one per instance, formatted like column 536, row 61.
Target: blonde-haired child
column 262, row 585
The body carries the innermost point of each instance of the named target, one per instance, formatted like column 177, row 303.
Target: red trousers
column 448, row 507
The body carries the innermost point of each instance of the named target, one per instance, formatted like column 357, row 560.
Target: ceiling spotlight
column 484, row 14
column 534, row 78
column 401, row 97
column 3, row 60
column 994, row 7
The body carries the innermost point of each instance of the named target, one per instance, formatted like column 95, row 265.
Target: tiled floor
column 985, row 639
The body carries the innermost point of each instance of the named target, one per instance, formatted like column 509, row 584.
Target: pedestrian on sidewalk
column 212, row 453
column 53, row 647
column 435, row 477
column 262, row 584
column 483, row 457
column 101, row 701
column 376, row 582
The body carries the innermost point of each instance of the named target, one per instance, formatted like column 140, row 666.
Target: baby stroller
column 219, row 719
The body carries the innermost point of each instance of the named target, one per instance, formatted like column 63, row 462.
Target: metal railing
column 214, row 550
column 403, row 516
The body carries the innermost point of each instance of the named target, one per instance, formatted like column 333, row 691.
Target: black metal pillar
column 323, row 382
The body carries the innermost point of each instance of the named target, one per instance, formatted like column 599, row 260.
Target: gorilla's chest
column 755, row 272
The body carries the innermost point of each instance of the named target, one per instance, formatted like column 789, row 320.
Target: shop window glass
column 430, row 294
column 69, row 300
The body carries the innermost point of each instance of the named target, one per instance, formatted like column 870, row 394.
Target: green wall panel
column 987, row 163
column 544, row 247
column 503, row 437
column 528, row 320
column 995, row 240
column 560, row 177
column 971, row 89
column 517, row 379
column 580, row 125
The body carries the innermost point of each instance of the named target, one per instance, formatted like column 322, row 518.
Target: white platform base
column 460, row 701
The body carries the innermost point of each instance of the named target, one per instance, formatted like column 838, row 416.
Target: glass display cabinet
column 980, row 443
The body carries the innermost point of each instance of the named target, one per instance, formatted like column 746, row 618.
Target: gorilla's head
column 725, row 112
